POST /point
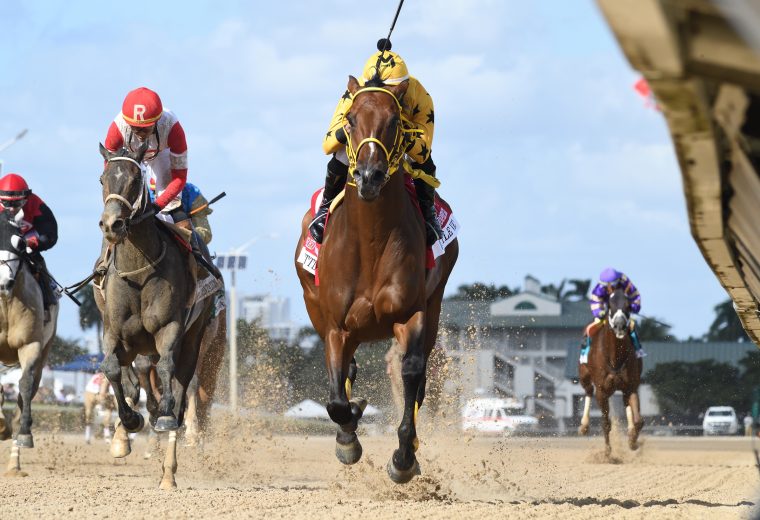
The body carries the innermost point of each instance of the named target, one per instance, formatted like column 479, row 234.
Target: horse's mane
column 375, row 81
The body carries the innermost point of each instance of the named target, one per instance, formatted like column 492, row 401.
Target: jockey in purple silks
column 610, row 280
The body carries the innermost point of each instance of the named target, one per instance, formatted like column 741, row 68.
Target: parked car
column 720, row 420
column 497, row 416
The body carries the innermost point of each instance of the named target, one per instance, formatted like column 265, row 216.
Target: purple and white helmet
column 610, row 276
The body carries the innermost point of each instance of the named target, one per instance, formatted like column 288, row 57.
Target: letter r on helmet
column 139, row 113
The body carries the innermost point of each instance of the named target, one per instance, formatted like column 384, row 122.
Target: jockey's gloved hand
column 32, row 240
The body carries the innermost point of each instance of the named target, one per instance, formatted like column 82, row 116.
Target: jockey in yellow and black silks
column 417, row 105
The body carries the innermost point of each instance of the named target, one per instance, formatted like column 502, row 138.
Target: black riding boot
column 202, row 254
column 43, row 279
column 335, row 181
column 426, row 196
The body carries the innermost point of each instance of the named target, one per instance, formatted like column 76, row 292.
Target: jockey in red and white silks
column 143, row 118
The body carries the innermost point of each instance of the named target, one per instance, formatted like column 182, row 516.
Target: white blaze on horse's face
column 9, row 266
column 619, row 323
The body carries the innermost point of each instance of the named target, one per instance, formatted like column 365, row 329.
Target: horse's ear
column 400, row 89
column 141, row 151
column 105, row 152
column 353, row 85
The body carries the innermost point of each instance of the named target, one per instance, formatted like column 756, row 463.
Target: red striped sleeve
column 114, row 139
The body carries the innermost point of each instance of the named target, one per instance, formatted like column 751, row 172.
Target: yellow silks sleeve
column 418, row 109
column 330, row 144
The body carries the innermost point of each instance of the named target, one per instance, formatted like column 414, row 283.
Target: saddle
column 309, row 254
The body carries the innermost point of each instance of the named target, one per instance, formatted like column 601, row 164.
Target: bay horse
column 147, row 302
column 373, row 281
column 612, row 366
column 25, row 336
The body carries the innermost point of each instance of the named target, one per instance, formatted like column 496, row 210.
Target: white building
column 272, row 314
column 518, row 347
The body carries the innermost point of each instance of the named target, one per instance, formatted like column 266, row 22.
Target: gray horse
column 148, row 302
column 25, row 337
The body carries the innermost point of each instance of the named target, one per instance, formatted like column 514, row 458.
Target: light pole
column 234, row 260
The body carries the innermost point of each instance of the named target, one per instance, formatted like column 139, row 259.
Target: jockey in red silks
column 609, row 281
column 144, row 119
column 38, row 226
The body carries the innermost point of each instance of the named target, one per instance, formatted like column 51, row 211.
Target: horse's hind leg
column 341, row 373
column 403, row 465
column 5, row 429
column 31, row 373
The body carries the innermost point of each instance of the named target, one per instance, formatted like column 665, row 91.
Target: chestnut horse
column 612, row 365
column 373, row 281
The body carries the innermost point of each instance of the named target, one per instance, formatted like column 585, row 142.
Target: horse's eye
column 351, row 120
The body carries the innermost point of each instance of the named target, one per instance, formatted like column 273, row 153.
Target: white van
column 495, row 415
column 720, row 420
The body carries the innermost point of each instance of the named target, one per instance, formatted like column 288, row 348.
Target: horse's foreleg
column 129, row 419
column 341, row 373
column 604, row 405
column 31, row 372
column 168, row 346
column 89, row 404
column 403, row 466
column 635, row 422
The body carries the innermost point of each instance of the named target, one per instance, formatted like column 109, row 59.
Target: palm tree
column 89, row 315
column 726, row 326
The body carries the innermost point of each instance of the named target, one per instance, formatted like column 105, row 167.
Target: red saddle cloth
column 309, row 255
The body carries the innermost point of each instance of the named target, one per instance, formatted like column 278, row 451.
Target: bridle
column 136, row 208
column 136, row 215
column 401, row 140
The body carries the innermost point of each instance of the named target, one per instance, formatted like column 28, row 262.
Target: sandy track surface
column 277, row 476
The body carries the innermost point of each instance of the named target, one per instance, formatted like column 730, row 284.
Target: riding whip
column 384, row 44
column 201, row 208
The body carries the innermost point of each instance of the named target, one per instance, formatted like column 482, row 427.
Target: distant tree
column 89, row 315
column 685, row 390
column 479, row 291
column 652, row 329
column 726, row 326
column 64, row 350
column 578, row 292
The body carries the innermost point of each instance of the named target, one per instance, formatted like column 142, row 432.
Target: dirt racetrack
column 289, row 476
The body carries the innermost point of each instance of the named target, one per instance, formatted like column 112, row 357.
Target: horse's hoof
column 167, row 423
column 24, row 440
column 349, row 453
column 403, row 476
column 360, row 402
column 583, row 429
column 167, row 484
column 120, row 448
column 15, row 473
column 5, row 434
column 135, row 427
column 633, row 444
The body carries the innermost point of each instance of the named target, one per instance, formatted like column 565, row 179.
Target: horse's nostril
column 117, row 225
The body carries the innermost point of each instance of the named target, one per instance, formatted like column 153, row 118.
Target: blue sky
column 550, row 160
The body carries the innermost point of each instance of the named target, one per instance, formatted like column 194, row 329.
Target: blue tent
column 82, row 363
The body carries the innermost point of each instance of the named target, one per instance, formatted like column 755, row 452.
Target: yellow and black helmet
column 386, row 66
